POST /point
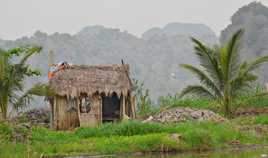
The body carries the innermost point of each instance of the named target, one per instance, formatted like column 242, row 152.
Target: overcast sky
column 23, row 17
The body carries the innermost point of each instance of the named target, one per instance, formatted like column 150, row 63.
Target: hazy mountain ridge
column 253, row 18
column 154, row 57
column 153, row 60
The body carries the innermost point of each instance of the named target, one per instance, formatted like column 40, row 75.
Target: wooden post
column 50, row 58
column 78, row 103
column 133, row 106
column 100, row 103
column 122, row 106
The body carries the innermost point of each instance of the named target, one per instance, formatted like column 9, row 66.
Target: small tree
column 142, row 98
column 222, row 75
column 12, row 76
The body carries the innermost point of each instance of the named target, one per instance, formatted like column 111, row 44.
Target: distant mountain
column 253, row 18
column 182, row 29
column 154, row 58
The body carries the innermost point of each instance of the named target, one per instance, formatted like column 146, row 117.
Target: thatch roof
column 91, row 79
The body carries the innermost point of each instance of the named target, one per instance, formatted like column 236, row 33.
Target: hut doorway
column 110, row 108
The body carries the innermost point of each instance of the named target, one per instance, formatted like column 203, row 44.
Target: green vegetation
column 263, row 119
column 122, row 138
column 223, row 84
column 12, row 75
column 199, row 103
column 244, row 100
column 143, row 100
column 222, row 76
column 252, row 120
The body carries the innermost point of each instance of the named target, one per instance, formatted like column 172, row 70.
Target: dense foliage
column 12, row 76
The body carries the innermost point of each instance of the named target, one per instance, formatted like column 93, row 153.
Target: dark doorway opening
column 110, row 108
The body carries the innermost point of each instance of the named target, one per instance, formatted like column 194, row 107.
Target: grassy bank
column 126, row 137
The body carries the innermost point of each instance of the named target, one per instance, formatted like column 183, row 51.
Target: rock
column 148, row 120
column 235, row 142
column 175, row 136
column 178, row 115
column 125, row 117
column 40, row 116
column 21, row 133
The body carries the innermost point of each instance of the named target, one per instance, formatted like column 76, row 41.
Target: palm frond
column 208, row 60
column 257, row 62
column 242, row 82
column 230, row 55
column 29, row 52
column 40, row 89
column 37, row 90
column 204, row 79
column 197, row 90
column 244, row 76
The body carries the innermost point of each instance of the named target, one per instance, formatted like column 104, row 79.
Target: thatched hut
column 91, row 95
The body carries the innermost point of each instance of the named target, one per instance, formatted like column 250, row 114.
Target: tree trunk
column 227, row 108
column 3, row 114
column 3, row 108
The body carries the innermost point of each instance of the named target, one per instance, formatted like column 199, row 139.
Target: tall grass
column 128, row 128
column 247, row 98
column 250, row 98
column 173, row 102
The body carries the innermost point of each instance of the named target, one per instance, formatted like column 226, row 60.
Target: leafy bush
column 41, row 134
column 144, row 104
column 5, row 132
column 263, row 119
column 252, row 98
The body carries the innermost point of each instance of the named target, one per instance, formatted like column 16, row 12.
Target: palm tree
column 12, row 75
column 222, row 74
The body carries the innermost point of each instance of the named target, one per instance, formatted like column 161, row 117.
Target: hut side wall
column 63, row 116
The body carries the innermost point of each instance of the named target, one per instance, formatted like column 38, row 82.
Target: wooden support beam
column 122, row 106
column 133, row 106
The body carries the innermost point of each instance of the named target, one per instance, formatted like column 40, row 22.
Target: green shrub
column 44, row 135
column 262, row 119
column 5, row 129
column 252, row 98
column 127, row 128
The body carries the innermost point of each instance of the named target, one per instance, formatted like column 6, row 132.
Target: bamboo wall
column 63, row 118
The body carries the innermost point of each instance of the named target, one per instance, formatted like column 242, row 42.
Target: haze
column 23, row 18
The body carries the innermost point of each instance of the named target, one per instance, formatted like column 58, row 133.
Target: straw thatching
column 90, row 79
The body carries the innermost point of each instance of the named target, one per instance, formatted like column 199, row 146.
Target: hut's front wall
column 93, row 117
